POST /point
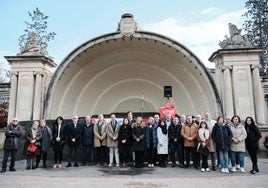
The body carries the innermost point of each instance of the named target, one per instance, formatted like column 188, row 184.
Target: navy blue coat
column 222, row 136
column 87, row 135
column 151, row 141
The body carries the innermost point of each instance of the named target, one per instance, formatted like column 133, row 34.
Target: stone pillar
column 37, row 96
column 228, row 91
column 258, row 95
column 25, row 96
column 27, row 86
column 13, row 96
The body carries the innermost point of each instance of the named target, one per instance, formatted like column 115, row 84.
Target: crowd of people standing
column 180, row 140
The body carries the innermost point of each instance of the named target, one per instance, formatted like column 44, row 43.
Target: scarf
column 203, row 134
column 34, row 132
column 163, row 128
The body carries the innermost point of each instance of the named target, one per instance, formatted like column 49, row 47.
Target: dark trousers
column 252, row 151
column 72, row 153
column 204, row 161
column 102, row 154
column 162, row 158
column 139, row 158
column 58, row 157
column 124, row 153
column 88, row 154
column 7, row 152
column 31, row 160
column 176, row 150
column 190, row 151
column 151, row 155
column 38, row 158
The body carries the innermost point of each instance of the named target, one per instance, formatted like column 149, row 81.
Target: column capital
column 14, row 73
column 38, row 73
column 258, row 66
column 227, row 67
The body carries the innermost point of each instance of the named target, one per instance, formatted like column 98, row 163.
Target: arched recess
column 112, row 73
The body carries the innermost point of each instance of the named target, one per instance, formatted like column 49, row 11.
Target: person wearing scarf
column 238, row 143
column 45, row 143
column 222, row 136
column 162, row 143
column 33, row 136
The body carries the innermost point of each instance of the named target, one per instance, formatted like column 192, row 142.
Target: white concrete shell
column 111, row 73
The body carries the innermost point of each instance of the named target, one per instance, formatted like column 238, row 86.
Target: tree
column 256, row 26
column 38, row 26
column 4, row 73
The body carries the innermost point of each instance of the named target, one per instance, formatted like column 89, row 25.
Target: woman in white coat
column 162, row 144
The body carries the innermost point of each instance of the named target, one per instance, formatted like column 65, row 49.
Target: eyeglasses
column 15, row 120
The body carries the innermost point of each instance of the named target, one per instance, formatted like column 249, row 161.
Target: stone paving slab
column 91, row 176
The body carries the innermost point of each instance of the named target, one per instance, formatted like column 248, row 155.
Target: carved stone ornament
column 32, row 47
column 127, row 25
column 236, row 40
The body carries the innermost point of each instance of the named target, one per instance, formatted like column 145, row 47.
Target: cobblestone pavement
column 91, row 176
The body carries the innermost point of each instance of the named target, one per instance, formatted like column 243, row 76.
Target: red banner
column 167, row 109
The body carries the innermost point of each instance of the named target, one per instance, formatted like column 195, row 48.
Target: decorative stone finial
column 32, row 47
column 236, row 40
column 127, row 25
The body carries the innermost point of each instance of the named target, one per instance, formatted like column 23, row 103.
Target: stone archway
column 111, row 73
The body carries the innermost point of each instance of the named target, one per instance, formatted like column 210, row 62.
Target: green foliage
column 37, row 25
column 256, row 26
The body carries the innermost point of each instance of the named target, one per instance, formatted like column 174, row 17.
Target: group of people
column 180, row 139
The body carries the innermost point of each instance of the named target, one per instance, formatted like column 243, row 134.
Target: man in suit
column 74, row 131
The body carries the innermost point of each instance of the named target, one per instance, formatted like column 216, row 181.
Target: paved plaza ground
column 91, row 176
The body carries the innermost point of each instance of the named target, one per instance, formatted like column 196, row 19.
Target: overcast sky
column 197, row 24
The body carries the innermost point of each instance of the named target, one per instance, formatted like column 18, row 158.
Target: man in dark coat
column 11, row 144
column 88, row 141
column 74, row 131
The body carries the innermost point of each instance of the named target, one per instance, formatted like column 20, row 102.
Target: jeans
column 240, row 156
column 223, row 159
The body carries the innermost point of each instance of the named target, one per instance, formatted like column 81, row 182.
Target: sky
column 197, row 24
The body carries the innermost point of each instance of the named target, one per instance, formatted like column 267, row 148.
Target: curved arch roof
column 113, row 73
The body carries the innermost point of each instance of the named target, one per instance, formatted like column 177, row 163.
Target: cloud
column 211, row 11
column 202, row 38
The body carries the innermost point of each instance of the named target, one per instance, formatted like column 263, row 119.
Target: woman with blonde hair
column 139, row 142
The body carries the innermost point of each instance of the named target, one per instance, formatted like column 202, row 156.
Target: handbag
column 32, row 148
column 203, row 150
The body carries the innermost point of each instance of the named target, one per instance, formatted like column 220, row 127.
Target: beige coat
column 189, row 131
column 239, row 133
column 111, row 133
column 100, row 140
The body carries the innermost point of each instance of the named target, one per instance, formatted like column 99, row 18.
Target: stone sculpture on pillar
column 32, row 46
column 236, row 40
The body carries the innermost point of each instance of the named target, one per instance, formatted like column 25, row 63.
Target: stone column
column 13, row 96
column 258, row 95
column 228, row 91
column 37, row 96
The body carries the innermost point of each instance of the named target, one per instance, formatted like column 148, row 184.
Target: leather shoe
column 12, row 169
column 76, row 164
column 69, row 165
column 3, row 170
